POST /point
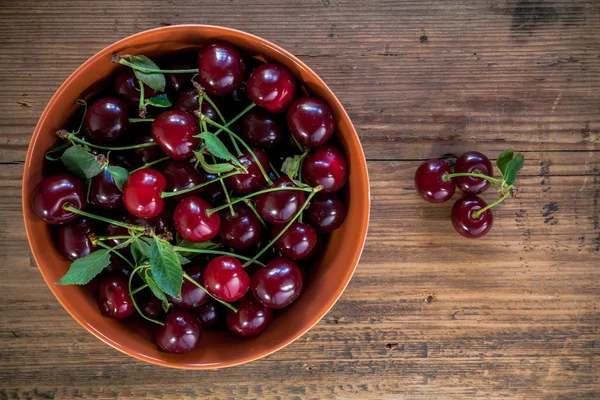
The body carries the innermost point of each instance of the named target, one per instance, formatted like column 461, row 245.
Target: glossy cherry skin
column 208, row 313
column 297, row 241
column 261, row 129
column 327, row 167
column 181, row 175
column 188, row 102
column 174, row 132
column 226, row 279
column 473, row 161
column 114, row 297
column 163, row 222
column 106, row 119
column 271, row 86
column 72, row 239
column 429, row 182
column 278, row 284
column 180, row 333
column 221, row 68
column 141, row 194
column 127, row 87
column 311, row 121
column 463, row 220
column 241, row 231
column 191, row 295
column 326, row 212
column 150, row 305
column 280, row 207
column 213, row 193
column 251, row 319
column 254, row 179
column 193, row 223
column 51, row 194
column 104, row 192
column 145, row 155
column 116, row 267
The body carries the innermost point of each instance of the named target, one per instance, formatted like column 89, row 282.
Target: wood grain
column 428, row 314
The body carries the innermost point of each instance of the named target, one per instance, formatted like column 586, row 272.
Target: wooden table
column 428, row 314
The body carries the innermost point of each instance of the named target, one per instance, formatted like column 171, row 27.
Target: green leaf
column 119, row 174
column 81, row 163
column 503, row 160
column 85, row 269
column 183, row 260
column 213, row 168
column 55, row 153
column 154, row 287
column 158, row 101
column 155, row 80
column 207, row 245
column 165, row 267
column 513, row 167
column 140, row 250
column 291, row 166
column 215, row 147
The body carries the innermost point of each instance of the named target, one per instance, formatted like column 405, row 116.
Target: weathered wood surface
column 428, row 314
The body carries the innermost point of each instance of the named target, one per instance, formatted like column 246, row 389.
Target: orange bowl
column 217, row 349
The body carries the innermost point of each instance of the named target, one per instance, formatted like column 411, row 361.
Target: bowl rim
column 28, row 213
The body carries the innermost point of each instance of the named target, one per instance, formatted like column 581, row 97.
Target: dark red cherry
column 145, row 155
column 150, row 305
column 114, row 297
column 191, row 295
column 297, row 241
column 473, row 161
column 326, row 212
column 178, row 82
column 174, row 132
column 212, row 193
column 429, row 182
column 181, row 175
column 72, row 239
column 163, row 222
column 464, row 221
column 326, row 167
column 241, row 231
column 251, row 319
column 221, row 68
column 193, row 223
column 280, row 207
column 180, row 333
column 106, row 119
column 188, row 102
column 208, row 313
column 311, row 121
column 128, row 88
column 261, row 129
column 226, row 279
column 117, row 267
column 141, row 194
column 254, row 179
column 271, row 86
column 104, row 192
column 51, row 194
column 278, row 284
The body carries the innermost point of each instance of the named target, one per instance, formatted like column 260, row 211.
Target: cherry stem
column 144, row 286
column 191, row 189
column 83, row 103
column 150, row 164
column 216, row 252
column 302, row 149
column 213, row 105
column 445, row 177
column 71, row 137
column 477, row 213
column 285, row 228
column 277, row 174
column 234, row 119
column 141, row 107
column 141, row 119
column 239, row 139
column 251, row 207
column 113, row 237
column 189, row 278
column 156, row 71
column 68, row 207
column 249, row 196
column 136, row 270
column 107, row 247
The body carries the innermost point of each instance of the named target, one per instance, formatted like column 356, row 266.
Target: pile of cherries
column 250, row 224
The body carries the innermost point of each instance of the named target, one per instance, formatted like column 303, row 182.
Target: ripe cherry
column 430, row 184
column 188, row 102
column 106, row 119
column 162, row 223
column 174, row 132
column 114, row 297
column 213, row 193
column 150, row 305
column 73, row 241
column 226, row 279
column 51, row 194
column 473, row 161
column 278, row 284
column 180, row 333
column 280, row 207
column 104, row 192
column 271, row 86
column 251, row 319
column 128, row 88
column 464, row 221
column 116, row 267
column 193, row 223
column 181, row 175
column 178, row 82
column 311, row 121
column 221, row 68
column 241, row 231
column 254, row 179
column 145, row 155
column 326, row 212
column 297, row 241
column 261, row 129
column 208, row 313
column 191, row 295
column 326, row 167
column 141, row 194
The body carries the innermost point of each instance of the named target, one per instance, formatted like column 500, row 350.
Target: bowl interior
column 328, row 277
